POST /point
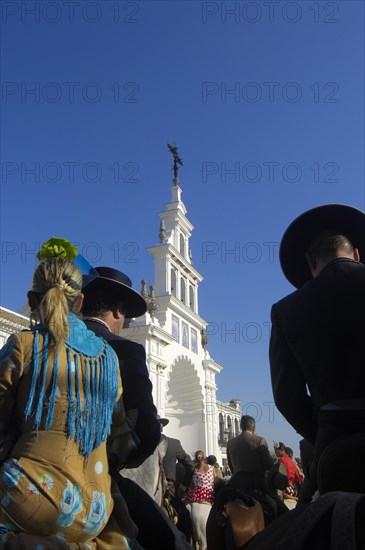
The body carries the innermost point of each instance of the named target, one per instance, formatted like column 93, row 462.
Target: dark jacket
column 174, row 453
column 317, row 340
column 249, row 453
column 137, row 390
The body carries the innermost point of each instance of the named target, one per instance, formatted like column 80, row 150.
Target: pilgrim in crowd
column 108, row 300
column 295, row 478
column 201, row 497
column 317, row 355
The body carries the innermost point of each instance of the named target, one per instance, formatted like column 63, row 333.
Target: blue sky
column 263, row 99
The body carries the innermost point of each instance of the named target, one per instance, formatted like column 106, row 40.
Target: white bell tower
column 181, row 369
column 174, row 272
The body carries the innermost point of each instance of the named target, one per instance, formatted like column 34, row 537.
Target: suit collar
column 339, row 260
column 97, row 320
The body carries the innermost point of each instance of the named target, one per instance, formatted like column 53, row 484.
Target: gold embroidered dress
column 60, row 418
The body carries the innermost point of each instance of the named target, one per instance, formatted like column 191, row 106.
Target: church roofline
column 14, row 317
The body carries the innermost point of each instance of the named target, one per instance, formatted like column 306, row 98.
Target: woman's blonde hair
column 197, row 453
column 56, row 285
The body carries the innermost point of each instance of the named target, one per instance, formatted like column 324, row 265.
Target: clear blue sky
column 263, row 99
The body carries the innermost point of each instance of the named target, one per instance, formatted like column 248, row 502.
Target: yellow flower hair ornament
column 57, row 248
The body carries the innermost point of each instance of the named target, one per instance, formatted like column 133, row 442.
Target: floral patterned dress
column 202, row 486
column 58, row 424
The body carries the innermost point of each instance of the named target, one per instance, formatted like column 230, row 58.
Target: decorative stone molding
column 160, row 367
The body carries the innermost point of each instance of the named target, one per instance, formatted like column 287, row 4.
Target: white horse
column 199, row 512
column 150, row 475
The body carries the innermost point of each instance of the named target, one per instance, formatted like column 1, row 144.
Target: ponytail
column 58, row 283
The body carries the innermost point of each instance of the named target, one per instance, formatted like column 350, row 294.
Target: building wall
column 11, row 322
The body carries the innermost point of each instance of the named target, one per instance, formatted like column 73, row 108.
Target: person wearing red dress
column 201, row 498
column 292, row 471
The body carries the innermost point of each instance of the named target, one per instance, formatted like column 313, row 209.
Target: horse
column 150, row 475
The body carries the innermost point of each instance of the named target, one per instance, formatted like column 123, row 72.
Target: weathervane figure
column 177, row 161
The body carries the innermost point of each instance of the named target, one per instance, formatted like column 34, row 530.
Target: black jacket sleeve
column 289, row 385
column 138, row 400
column 184, row 459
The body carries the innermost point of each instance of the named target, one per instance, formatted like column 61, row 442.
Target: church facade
column 181, row 369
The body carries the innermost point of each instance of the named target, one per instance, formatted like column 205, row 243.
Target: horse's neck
column 149, row 475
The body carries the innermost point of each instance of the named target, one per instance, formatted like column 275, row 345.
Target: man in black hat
column 108, row 299
column 317, row 347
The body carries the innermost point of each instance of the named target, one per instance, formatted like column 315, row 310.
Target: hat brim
column 164, row 421
column 347, row 220
column 135, row 305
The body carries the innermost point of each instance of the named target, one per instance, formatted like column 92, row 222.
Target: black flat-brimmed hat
column 119, row 284
column 347, row 220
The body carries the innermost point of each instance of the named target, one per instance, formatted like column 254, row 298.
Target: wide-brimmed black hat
column 119, row 284
column 347, row 220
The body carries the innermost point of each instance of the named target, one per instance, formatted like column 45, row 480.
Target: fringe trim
column 89, row 419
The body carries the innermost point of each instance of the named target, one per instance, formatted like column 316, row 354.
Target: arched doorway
column 184, row 405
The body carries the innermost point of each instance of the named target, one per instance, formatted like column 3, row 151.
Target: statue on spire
column 177, row 161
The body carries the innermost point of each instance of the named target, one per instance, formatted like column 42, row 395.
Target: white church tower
column 173, row 333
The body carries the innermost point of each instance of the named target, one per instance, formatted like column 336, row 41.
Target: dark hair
column 211, row 460
column 326, row 243
column 98, row 303
column 289, row 451
column 247, row 423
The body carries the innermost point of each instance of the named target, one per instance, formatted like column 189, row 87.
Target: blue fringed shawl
column 91, row 365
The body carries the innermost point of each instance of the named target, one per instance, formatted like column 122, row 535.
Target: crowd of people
column 85, row 463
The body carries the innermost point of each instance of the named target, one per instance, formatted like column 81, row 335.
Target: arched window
column 236, row 426
column 229, row 427
column 221, row 428
column 182, row 289
column 191, row 297
column 182, row 245
column 173, row 283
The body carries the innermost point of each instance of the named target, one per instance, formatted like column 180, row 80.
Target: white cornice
column 170, row 302
column 11, row 322
column 14, row 317
column 228, row 409
column 153, row 331
column 167, row 249
column 178, row 217
column 212, row 365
